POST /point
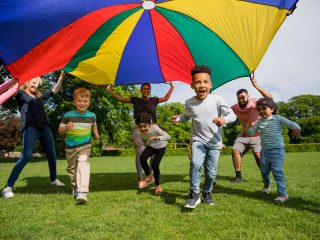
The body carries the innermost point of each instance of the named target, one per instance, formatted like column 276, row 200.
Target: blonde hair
column 25, row 85
column 82, row 93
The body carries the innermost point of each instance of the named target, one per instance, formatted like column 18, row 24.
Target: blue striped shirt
column 271, row 130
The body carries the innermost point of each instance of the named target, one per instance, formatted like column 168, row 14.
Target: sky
column 290, row 67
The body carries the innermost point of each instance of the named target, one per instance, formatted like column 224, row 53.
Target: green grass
column 117, row 210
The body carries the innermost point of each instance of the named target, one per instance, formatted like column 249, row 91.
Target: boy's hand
column 154, row 138
column 295, row 133
column 219, row 121
column 97, row 137
column 138, row 144
column 69, row 125
column 248, row 125
column 174, row 120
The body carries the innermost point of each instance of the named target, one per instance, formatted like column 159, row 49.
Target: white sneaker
column 81, row 198
column 57, row 183
column 7, row 192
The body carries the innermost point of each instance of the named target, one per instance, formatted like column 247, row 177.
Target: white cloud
column 290, row 67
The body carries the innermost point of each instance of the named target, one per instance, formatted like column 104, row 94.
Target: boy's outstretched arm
column 116, row 96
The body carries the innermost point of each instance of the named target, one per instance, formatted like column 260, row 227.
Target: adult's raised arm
column 116, row 96
column 58, row 85
column 263, row 91
column 167, row 96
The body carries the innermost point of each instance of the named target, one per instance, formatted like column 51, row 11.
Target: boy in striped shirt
column 78, row 125
column 272, row 145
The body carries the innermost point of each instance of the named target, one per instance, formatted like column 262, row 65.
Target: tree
column 231, row 132
column 305, row 110
column 179, row 134
column 300, row 107
column 114, row 119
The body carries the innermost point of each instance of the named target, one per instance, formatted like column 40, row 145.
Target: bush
column 312, row 147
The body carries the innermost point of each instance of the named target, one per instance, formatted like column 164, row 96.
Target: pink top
column 6, row 92
column 246, row 115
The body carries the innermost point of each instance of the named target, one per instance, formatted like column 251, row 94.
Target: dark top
column 145, row 106
column 32, row 110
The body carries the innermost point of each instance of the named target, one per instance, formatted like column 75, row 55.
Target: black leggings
column 158, row 154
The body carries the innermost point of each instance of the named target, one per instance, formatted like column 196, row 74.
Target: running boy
column 272, row 145
column 77, row 125
column 209, row 112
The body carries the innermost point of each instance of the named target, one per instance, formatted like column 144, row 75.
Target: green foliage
column 115, row 121
column 231, row 132
column 310, row 128
column 305, row 110
column 311, row 147
column 300, row 107
column 179, row 134
column 113, row 118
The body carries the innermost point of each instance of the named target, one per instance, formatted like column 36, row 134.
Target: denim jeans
column 272, row 160
column 209, row 158
column 30, row 137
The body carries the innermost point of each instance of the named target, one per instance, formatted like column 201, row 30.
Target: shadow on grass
column 32, row 160
column 294, row 202
column 98, row 182
column 127, row 181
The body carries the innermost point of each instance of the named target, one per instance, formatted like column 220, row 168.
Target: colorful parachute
column 133, row 41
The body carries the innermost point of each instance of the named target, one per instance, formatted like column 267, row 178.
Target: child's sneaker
column 74, row 193
column 238, row 180
column 266, row 188
column 281, row 198
column 81, row 198
column 207, row 199
column 7, row 192
column 193, row 200
column 57, row 183
column 158, row 190
column 148, row 180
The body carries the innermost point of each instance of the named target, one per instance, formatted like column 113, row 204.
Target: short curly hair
column 200, row 69
column 82, row 93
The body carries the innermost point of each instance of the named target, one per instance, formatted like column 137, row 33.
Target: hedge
column 312, row 147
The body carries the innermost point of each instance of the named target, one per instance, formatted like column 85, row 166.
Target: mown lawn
column 117, row 210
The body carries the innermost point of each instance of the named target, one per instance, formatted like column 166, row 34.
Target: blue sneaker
column 193, row 200
column 207, row 199
column 281, row 198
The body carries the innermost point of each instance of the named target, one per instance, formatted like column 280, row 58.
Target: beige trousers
column 79, row 167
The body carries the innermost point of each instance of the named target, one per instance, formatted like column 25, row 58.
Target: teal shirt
column 81, row 131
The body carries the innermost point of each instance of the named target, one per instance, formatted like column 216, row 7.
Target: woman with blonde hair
column 34, row 127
